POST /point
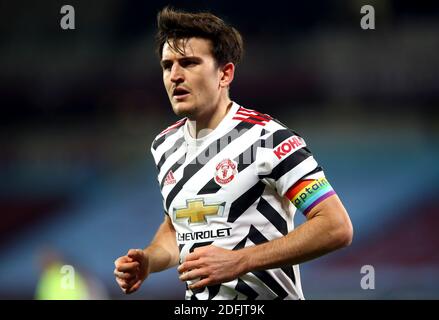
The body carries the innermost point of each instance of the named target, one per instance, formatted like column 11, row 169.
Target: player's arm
column 163, row 251
column 133, row 268
column 327, row 228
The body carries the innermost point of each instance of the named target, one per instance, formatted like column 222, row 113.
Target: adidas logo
column 169, row 179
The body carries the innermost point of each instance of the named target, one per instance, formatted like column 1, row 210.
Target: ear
column 227, row 73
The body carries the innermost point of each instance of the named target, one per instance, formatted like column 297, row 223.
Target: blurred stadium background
column 79, row 109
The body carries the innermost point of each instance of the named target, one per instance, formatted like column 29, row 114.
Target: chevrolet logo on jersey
column 196, row 211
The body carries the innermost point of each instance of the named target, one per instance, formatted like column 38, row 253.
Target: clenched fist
column 131, row 270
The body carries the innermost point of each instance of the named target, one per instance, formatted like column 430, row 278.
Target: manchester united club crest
column 226, row 170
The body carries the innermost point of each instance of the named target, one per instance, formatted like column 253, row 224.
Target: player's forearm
column 161, row 258
column 163, row 251
column 316, row 237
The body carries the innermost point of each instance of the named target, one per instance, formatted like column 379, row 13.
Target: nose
column 177, row 75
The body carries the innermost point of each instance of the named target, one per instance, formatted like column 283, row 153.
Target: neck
column 209, row 121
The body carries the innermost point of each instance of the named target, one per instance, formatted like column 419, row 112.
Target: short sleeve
column 283, row 159
column 155, row 156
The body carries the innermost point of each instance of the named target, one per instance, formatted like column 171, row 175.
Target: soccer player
column 231, row 179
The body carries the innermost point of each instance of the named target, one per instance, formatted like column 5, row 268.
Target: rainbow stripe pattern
column 306, row 194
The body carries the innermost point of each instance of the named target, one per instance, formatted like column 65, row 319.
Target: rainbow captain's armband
column 306, row 194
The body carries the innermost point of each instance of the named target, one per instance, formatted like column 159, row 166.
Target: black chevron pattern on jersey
column 288, row 164
column 266, row 278
column 248, row 157
column 241, row 244
column 213, row 291
column 200, row 244
column 290, row 273
column 254, row 235
column 210, row 187
column 246, row 198
column 257, row 238
column 272, row 215
column 245, row 159
column 159, row 141
column 174, row 148
column 173, row 168
column 240, row 205
column 318, row 169
column 283, row 134
column 194, row 297
column 280, row 135
column 246, row 290
column 168, row 132
column 192, row 168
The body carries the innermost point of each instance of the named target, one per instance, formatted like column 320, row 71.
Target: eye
column 187, row 63
column 166, row 66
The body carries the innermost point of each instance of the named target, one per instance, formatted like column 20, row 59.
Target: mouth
column 180, row 93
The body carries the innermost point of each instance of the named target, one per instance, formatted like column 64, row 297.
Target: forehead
column 191, row 47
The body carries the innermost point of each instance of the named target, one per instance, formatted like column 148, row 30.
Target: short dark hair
column 226, row 41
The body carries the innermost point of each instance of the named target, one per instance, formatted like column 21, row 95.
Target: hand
column 131, row 270
column 213, row 265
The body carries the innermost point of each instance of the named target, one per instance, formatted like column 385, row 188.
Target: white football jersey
column 228, row 189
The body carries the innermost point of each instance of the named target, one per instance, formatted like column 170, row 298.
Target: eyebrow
column 191, row 58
